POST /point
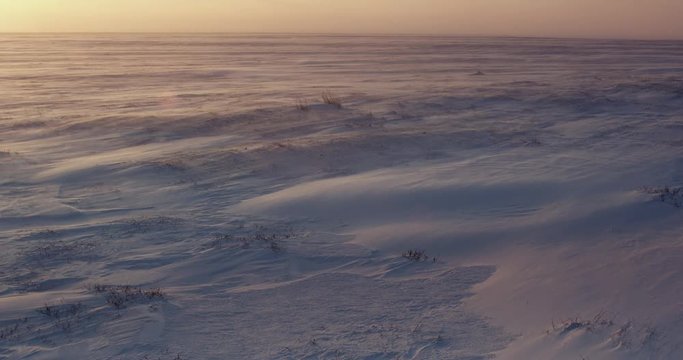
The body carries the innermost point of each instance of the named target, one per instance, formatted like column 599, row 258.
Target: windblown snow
column 193, row 197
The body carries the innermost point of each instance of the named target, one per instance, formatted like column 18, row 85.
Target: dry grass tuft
column 330, row 99
column 302, row 105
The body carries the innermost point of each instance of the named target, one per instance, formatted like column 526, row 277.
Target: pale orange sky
column 570, row 18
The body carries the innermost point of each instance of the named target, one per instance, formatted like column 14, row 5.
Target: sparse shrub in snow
column 11, row 331
column 63, row 315
column 532, row 142
column 57, row 312
column 621, row 335
column 148, row 224
column 168, row 165
column 649, row 336
column 269, row 240
column 275, row 247
column 598, row 321
column 669, row 195
column 51, row 250
column 119, row 296
column 166, row 355
column 41, row 234
column 417, row 255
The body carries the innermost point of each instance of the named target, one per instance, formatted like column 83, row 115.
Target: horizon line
column 342, row 34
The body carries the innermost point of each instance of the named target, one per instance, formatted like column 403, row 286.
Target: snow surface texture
column 193, row 197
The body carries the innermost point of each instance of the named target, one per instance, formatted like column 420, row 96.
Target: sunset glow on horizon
column 647, row 19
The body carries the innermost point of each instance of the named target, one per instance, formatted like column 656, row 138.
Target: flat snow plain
column 161, row 197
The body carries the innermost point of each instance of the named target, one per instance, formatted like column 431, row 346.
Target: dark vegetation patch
column 666, row 194
column 569, row 325
column 49, row 251
column 170, row 165
column 60, row 311
column 150, row 223
column 259, row 239
column 51, row 319
column 64, row 316
column 624, row 335
column 418, row 256
column 45, row 233
column 532, row 142
column 13, row 331
column 177, row 356
column 41, row 234
column 120, row 296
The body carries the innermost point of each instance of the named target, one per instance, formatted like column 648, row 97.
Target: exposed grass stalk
column 330, row 99
column 302, row 105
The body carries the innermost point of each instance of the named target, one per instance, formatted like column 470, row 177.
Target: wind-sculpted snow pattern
column 253, row 197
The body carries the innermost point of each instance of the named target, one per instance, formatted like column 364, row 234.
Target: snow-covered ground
column 162, row 197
